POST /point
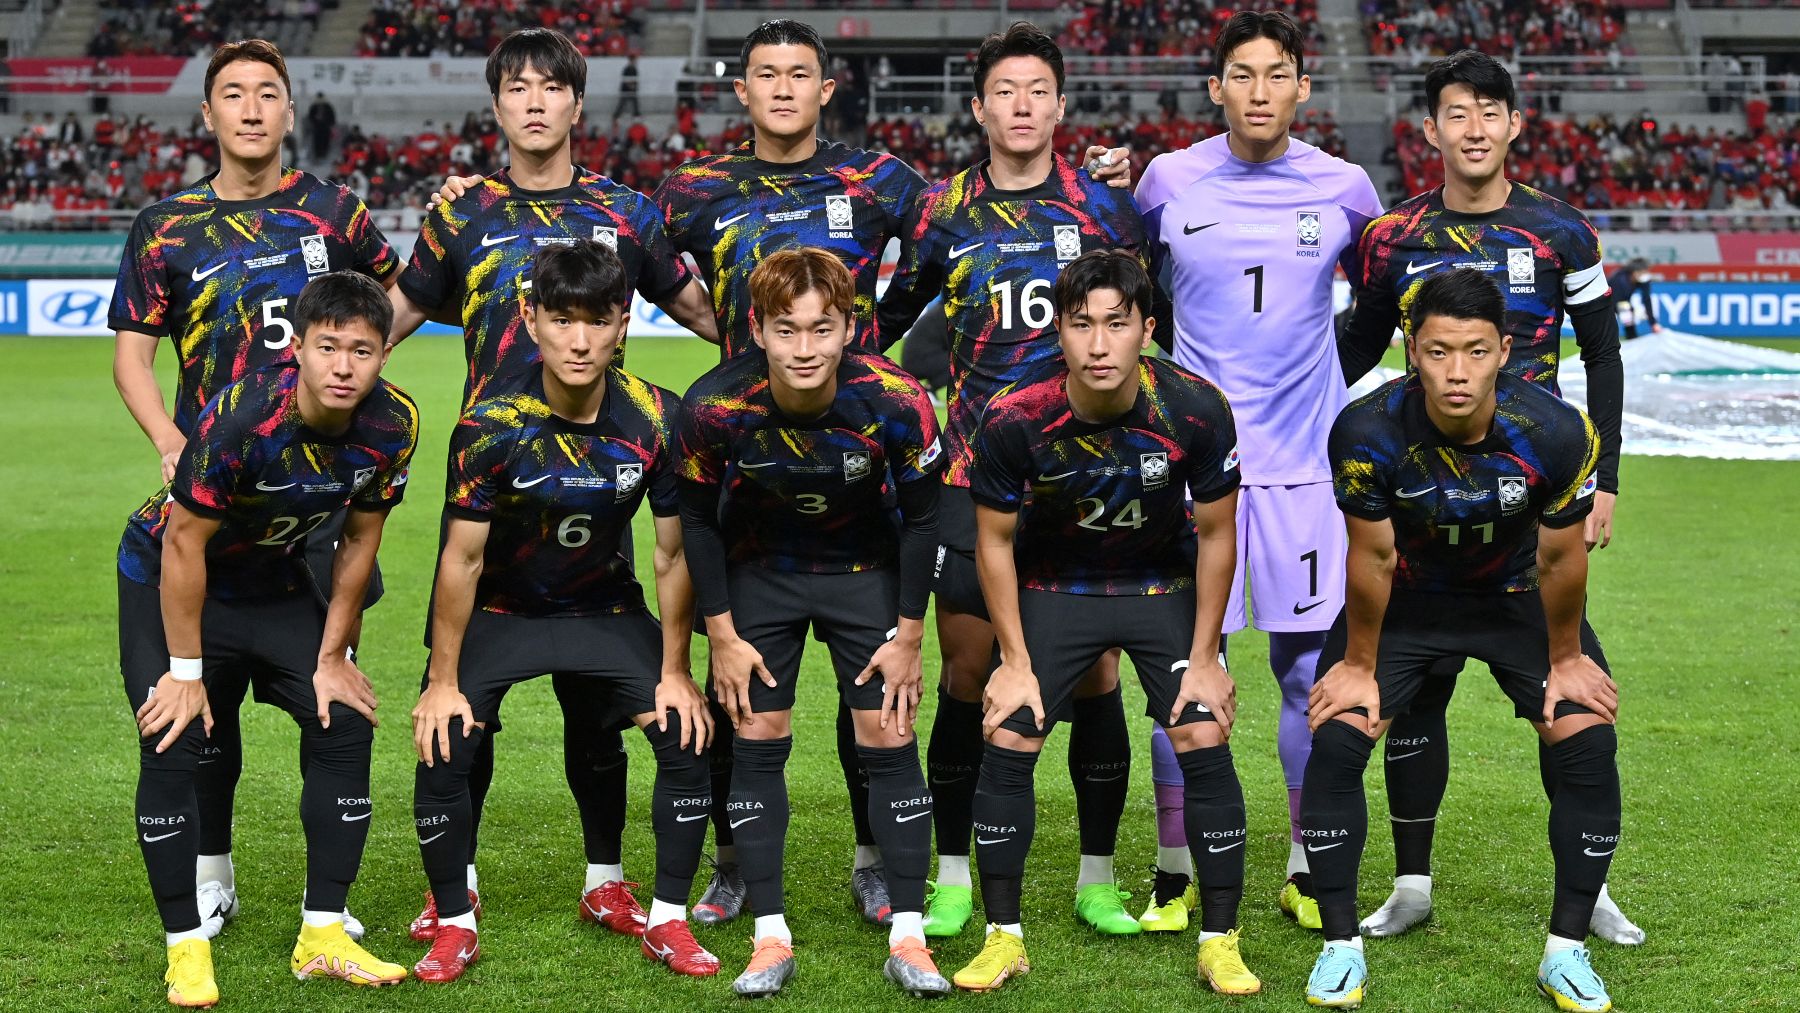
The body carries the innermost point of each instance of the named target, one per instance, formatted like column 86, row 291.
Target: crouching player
column 1464, row 490
column 809, row 500
column 211, row 583
column 1104, row 555
column 544, row 480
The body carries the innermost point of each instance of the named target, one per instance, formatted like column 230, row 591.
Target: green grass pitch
column 1696, row 602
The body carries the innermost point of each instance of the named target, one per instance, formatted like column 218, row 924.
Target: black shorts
column 627, row 548
column 1066, row 635
column 853, row 614
column 1422, row 629
column 614, row 661
column 319, row 553
column 271, row 644
column 955, row 581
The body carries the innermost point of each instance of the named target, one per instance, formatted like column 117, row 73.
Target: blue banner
column 1729, row 309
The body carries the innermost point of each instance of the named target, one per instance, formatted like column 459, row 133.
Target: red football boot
column 673, row 943
column 612, row 905
column 424, row 927
column 451, row 953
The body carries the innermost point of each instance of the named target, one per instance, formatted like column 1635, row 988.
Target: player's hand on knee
column 1206, row 683
column 174, row 704
column 1012, row 687
column 1598, row 528
column 901, row 665
column 1583, row 682
column 454, row 187
column 676, row 692
column 1345, row 688
column 1110, row 166
column 735, row 663
column 338, row 680
column 431, row 720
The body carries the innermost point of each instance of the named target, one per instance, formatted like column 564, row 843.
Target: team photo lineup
column 1105, row 425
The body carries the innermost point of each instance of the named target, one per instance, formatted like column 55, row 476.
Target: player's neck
column 786, row 150
column 580, row 405
column 1253, row 151
column 1467, row 430
column 241, row 180
column 318, row 418
column 1477, row 196
column 1020, row 172
column 802, row 405
column 551, row 170
column 1096, row 406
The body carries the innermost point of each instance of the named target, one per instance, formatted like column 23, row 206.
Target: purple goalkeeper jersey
column 1247, row 251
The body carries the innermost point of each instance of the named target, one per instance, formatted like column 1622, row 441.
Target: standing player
column 1109, row 447
column 1249, row 228
column 473, row 261
column 992, row 240
column 809, row 503
column 215, row 268
column 544, row 484
column 1464, row 488
column 1550, row 256
column 211, row 579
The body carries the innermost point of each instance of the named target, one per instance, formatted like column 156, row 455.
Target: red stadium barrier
column 140, row 75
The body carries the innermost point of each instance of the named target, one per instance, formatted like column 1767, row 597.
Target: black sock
column 898, row 805
column 856, row 774
column 481, row 778
column 1547, row 769
column 1334, row 822
column 719, row 756
column 1213, row 801
column 757, row 812
column 221, row 765
column 168, row 824
column 334, row 805
column 1100, row 769
column 594, row 763
column 1170, row 885
column 442, row 817
column 953, row 767
column 679, row 806
column 1005, row 818
column 1416, row 768
column 1584, row 825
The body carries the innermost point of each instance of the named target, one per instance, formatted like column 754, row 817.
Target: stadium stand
column 194, row 27
column 1415, row 32
column 473, row 27
column 1135, row 28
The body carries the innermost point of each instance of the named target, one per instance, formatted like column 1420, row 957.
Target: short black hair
column 1245, row 26
column 586, row 276
column 1460, row 294
column 1485, row 76
column 782, row 32
column 545, row 50
column 1097, row 269
column 340, row 298
column 1021, row 39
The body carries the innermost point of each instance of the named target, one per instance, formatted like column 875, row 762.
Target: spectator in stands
column 321, row 121
column 628, row 89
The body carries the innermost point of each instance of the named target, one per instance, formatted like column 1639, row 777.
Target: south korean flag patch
column 1588, row 487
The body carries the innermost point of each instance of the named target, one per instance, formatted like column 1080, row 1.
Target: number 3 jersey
column 1104, row 505
column 254, row 465
column 558, row 495
column 219, row 277
column 1465, row 516
column 810, row 495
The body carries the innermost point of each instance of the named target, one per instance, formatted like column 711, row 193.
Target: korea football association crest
column 626, row 479
column 856, row 465
column 361, row 481
column 1512, row 494
column 1153, row 470
column 312, row 250
column 608, row 235
column 1068, row 243
column 1308, row 229
column 1521, row 266
column 838, row 214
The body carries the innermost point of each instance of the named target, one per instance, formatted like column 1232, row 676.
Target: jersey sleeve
column 1573, row 496
column 703, row 450
column 664, row 273
column 430, row 276
column 914, row 447
column 997, row 476
column 899, row 191
column 1377, row 312
column 677, row 209
column 1358, row 479
column 918, row 276
column 1213, row 447
column 1151, row 196
column 368, row 244
column 1584, row 275
column 665, row 471
column 479, row 454
column 388, row 487
column 214, row 459
column 1361, row 205
column 140, row 300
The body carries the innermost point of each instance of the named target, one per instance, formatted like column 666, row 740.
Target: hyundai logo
column 74, row 308
column 652, row 314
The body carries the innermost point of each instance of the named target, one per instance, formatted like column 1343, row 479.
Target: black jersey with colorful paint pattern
column 1104, row 505
column 814, row 495
column 732, row 210
column 557, row 495
column 1465, row 517
column 219, row 277
column 994, row 256
column 269, row 478
column 477, row 252
column 1543, row 253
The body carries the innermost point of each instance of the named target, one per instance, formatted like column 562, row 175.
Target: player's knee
column 1340, row 754
column 347, row 739
column 183, row 755
column 1588, row 758
column 684, row 770
column 899, row 761
column 1006, row 771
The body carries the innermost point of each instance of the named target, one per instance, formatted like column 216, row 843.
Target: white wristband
column 184, row 669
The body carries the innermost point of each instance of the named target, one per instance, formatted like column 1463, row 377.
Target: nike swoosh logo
column 160, row 837
column 434, row 837
column 1055, row 478
column 950, row 780
column 1324, row 847
column 747, row 466
column 957, row 251
column 1412, row 269
column 690, row 819
column 997, row 840
column 1302, row 611
column 266, row 487
column 1402, row 756
column 911, row 817
column 1103, row 780
column 347, row 818
column 487, row 240
column 199, row 275
column 1416, row 493
column 721, row 224
column 738, row 823
column 1188, row 230
column 1591, row 853
column 1227, row 847
column 526, row 485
